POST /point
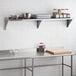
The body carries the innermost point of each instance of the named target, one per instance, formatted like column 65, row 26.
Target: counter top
column 28, row 53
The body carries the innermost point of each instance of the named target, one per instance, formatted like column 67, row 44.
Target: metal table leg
column 24, row 67
column 62, row 66
column 71, row 65
column 32, row 66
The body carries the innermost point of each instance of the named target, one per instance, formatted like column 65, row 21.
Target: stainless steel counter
column 28, row 53
column 25, row 54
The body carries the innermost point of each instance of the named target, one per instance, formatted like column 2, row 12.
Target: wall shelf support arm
column 5, row 21
column 68, row 22
column 38, row 23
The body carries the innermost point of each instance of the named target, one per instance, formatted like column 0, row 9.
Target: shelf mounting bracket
column 68, row 22
column 5, row 21
column 38, row 23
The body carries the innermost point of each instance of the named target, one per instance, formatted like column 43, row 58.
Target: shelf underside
column 68, row 21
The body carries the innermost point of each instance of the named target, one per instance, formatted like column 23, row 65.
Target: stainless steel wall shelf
column 68, row 21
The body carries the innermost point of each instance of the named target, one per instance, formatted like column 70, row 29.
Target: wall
column 24, row 34
column 55, row 34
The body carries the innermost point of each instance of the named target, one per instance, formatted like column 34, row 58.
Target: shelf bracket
column 68, row 22
column 38, row 23
column 5, row 21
